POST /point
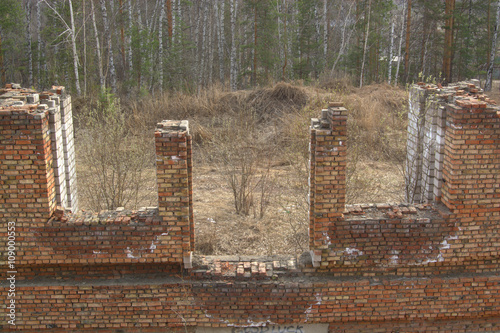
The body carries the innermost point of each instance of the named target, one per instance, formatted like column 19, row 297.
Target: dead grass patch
column 278, row 118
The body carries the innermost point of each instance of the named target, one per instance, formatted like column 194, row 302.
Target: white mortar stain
column 326, row 240
column 352, row 251
column 130, row 254
column 319, row 301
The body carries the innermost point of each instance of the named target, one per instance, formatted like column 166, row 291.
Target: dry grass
column 276, row 121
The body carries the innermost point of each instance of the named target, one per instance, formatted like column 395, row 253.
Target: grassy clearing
column 253, row 145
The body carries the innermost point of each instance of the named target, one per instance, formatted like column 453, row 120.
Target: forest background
column 148, row 46
column 248, row 75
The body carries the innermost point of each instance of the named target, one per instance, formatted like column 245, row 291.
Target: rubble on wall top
column 459, row 91
column 15, row 98
column 117, row 216
column 394, row 211
column 168, row 126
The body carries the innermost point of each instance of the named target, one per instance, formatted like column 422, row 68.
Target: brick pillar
column 327, row 173
column 173, row 169
column 27, row 193
column 472, row 158
column 471, row 175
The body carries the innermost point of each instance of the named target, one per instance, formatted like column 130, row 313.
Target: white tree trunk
column 129, row 35
column 489, row 75
column 400, row 46
column 28, row 38
column 233, row 78
column 345, row 38
column 389, row 75
column 107, row 33
column 178, row 19
column 160, row 43
column 203, row 44
column 39, row 42
column 211, row 46
column 366, row 44
column 73, row 45
column 102, row 83
column 141, row 47
column 325, row 29
column 219, row 12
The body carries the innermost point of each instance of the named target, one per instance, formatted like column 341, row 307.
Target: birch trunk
column 28, row 39
column 102, row 83
column 346, row 37
column 210, row 49
column 107, row 33
column 84, row 51
column 489, row 75
column 203, row 44
column 39, row 43
column 122, row 34
column 129, row 35
column 389, row 75
column 325, row 29
column 160, row 43
column 408, row 33
column 285, row 43
column 177, row 20
column 219, row 12
column 366, row 44
column 233, row 77
column 399, row 49
column 141, row 47
column 73, row 45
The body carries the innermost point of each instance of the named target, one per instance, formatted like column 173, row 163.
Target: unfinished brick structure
column 384, row 267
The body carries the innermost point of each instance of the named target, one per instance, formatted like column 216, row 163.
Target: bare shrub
column 116, row 165
column 244, row 155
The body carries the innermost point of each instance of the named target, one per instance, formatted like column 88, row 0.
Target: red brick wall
column 374, row 267
column 27, row 193
column 327, row 172
column 172, row 302
column 173, row 169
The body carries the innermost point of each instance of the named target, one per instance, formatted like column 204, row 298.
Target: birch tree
column 399, row 48
column 160, row 43
column 102, row 83
column 129, row 35
column 70, row 30
column 408, row 35
column 233, row 77
column 489, row 76
column 366, row 44
column 219, row 12
column 107, row 34
column 345, row 36
column 389, row 75
column 325, row 29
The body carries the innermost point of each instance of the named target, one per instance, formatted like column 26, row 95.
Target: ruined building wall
column 371, row 267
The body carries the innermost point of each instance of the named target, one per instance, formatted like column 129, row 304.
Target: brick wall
column 385, row 267
column 327, row 173
column 174, row 177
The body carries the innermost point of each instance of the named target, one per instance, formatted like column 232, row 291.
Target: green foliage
column 12, row 21
column 261, row 15
column 307, row 42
